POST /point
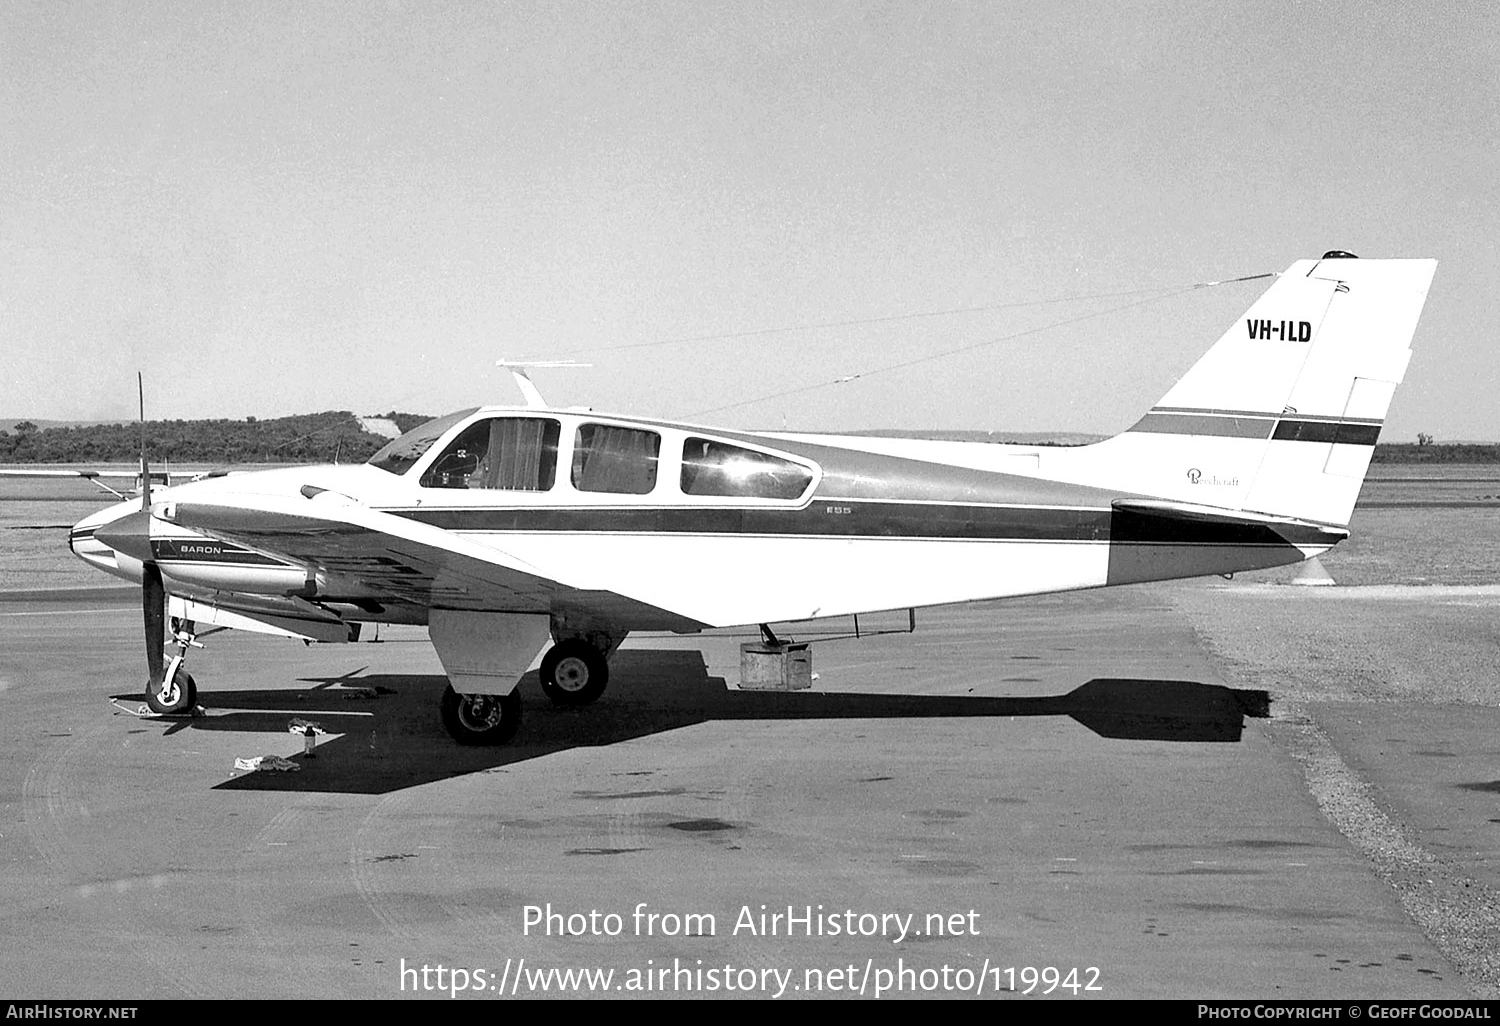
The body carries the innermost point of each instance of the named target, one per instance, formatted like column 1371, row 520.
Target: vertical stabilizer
column 1280, row 417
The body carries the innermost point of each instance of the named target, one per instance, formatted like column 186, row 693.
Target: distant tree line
column 308, row 438
column 1437, row 452
column 337, row 436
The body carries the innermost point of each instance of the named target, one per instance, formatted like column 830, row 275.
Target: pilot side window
column 517, row 454
column 615, row 459
column 718, row 468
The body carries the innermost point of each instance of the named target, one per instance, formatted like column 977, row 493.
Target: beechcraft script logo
column 1281, row 331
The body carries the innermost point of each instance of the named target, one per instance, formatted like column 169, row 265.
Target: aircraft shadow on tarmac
column 400, row 743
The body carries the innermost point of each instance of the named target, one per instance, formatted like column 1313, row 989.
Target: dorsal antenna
column 519, row 369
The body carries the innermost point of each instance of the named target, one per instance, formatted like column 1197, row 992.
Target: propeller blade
column 140, row 386
column 154, row 606
column 132, row 535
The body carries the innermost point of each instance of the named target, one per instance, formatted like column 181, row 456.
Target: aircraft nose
column 130, row 534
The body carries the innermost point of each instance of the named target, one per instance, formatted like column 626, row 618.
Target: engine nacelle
column 249, row 580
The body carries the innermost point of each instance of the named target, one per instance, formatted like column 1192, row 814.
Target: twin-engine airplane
column 509, row 530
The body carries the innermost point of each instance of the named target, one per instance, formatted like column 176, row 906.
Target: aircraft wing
column 53, row 472
column 403, row 560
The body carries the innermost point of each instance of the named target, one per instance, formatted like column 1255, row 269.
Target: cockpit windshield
column 399, row 455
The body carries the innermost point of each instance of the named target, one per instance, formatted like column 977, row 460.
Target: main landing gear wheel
column 174, row 696
column 481, row 719
column 574, row 673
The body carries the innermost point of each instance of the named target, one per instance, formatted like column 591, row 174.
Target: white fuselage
column 869, row 529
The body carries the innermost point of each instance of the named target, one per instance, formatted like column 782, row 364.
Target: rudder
column 1325, row 437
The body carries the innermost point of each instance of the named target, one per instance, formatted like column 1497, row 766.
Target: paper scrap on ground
column 267, row 762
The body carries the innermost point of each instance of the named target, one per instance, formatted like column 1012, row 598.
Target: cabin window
column 615, row 459
column 718, row 468
column 517, row 454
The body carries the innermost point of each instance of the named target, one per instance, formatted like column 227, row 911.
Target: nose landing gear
column 177, row 693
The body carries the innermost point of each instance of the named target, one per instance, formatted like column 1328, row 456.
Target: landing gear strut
column 178, row 692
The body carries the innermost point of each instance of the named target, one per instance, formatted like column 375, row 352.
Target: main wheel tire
column 181, row 696
column 574, row 673
column 481, row 719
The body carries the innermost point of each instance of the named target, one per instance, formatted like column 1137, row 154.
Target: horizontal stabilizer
column 1193, row 513
column 1159, row 539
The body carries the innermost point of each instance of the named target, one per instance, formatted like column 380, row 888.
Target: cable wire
column 859, row 321
column 946, row 353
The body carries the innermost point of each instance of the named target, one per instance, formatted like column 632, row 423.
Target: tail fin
column 1280, row 417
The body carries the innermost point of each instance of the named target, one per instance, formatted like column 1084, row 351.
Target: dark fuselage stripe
column 850, row 519
column 833, row 519
column 1205, row 424
column 1342, row 432
column 1238, row 424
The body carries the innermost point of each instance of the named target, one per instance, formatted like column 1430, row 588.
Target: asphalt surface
column 1177, row 791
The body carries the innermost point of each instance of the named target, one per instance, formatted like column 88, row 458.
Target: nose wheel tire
column 174, row 697
column 481, row 719
column 574, row 673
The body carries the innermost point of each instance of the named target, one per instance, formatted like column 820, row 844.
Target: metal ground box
column 783, row 667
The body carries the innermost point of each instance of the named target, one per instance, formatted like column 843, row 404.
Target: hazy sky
column 276, row 208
